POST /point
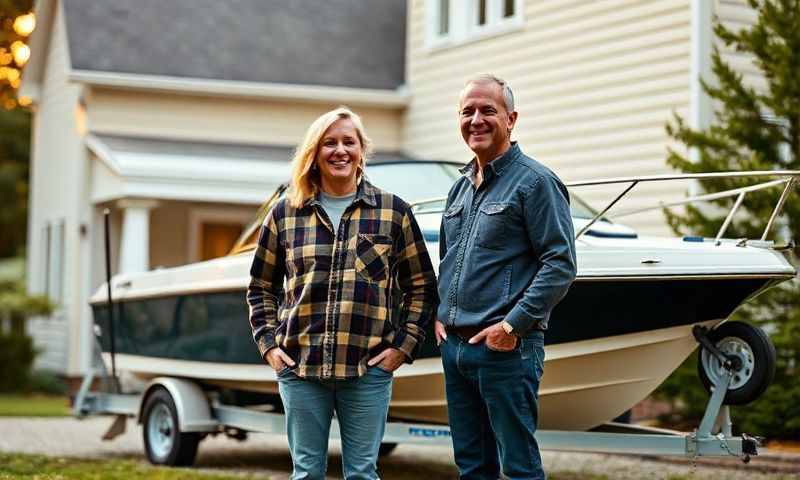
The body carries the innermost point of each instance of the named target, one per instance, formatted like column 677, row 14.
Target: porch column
column 134, row 252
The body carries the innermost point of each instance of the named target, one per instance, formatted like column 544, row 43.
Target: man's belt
column 464, row 333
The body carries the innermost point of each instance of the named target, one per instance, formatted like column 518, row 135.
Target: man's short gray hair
column 484, row 78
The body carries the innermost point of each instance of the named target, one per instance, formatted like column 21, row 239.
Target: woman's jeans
column 361, row 406
column 492, row 406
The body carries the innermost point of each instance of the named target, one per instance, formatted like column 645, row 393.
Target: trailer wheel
column 164, row 443
column 386, row 449
column 754, row 356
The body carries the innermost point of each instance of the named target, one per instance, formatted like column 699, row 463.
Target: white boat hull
column 585, row 383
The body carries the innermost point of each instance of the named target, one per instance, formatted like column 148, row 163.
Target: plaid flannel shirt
column 336, row 309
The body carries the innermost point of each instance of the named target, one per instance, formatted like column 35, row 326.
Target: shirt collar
column 497, row 166
column 365, row 192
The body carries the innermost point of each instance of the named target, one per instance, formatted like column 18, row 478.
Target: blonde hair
column 305, row 179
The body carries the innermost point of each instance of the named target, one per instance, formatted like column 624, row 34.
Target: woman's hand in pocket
column 278, row 359
column 389, row 359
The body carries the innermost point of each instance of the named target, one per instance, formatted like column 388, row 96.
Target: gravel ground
column 267, row 456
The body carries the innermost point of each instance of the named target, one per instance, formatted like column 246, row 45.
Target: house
column 179, row 117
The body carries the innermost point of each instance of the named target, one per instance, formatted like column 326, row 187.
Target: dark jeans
column 492, row 404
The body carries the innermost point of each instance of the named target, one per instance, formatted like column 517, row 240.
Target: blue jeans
column 492, row 405
column 361, row 406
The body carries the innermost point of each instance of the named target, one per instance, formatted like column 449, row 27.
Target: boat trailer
column 195, row 413
column 176, row 413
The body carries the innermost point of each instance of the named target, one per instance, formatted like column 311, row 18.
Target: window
column 454, row 22
column 214, row 231
column 444, row 17
column 56, row 290
column 52, row 261
column 493, row 14
column 217, row 239
column 481, row 12
column 509, row 7
column 44, row 283
column 438, row 18
column 206, row 327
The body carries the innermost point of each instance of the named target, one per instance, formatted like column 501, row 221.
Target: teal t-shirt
column 335, row 206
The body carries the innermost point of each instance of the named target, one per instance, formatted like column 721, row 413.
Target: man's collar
column 498, row 165
column 365, row 192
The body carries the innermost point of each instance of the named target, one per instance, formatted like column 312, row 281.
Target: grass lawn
column 18, row 405
column 23, row 466
column 14, row 465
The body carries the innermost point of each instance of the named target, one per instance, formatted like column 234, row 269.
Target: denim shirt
column 507, row 248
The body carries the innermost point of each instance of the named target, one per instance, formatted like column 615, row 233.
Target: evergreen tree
column 15, row 126
column 754, row 129
column 16, row 23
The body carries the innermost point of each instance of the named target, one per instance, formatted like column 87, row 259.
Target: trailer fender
column 191, row 403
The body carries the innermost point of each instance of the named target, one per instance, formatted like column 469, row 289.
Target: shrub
column 47, row 382
column 16, row 357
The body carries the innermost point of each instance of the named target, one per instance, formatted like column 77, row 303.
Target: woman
column 341, row 245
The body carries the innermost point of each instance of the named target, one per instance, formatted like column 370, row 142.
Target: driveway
column 268, row 455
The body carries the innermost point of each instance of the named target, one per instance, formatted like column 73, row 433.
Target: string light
column 21, row 52
column 24, row 24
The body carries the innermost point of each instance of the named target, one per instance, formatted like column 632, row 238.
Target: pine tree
column 16, row 23
column 754, row 129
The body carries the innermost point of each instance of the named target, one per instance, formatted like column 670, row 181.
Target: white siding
column 735, row 15
column 595, row 83
column 185, row 117
column 57, row 195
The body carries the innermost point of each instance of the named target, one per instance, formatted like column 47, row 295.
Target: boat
column 629, row 320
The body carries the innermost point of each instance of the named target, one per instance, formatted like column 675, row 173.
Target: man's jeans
column 492, row 404
column 361, row 406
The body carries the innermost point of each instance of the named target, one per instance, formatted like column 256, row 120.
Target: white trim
column 432, row 19
column 700, row 55
column 39, row 43
column 398, row 98
column 101, row 150
column 200, row 215
column 181, row 177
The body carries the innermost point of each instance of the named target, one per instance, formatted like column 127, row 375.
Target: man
column 507, row 258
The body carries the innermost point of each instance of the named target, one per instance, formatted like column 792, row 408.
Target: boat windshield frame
column 788, row 178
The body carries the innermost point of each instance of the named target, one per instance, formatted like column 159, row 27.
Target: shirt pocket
column 452, row 224
column 372, row 256
column 493, row 225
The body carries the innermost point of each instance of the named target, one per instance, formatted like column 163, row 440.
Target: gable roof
column 340, row 43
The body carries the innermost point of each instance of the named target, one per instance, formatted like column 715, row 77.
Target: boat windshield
column 414, row 182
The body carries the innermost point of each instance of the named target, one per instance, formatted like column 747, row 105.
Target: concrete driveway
column 268, row 455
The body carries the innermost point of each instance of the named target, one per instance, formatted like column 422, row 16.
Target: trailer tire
column 386, row 449
column 164, row 443
column 756, row 356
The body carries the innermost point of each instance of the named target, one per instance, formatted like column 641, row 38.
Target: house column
column 134, row 252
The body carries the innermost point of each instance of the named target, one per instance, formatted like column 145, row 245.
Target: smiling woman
column 333, row 261
column 334, row 150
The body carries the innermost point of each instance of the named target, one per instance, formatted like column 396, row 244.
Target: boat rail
column 788, row 178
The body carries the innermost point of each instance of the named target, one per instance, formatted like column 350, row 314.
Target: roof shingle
column 341, row 43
